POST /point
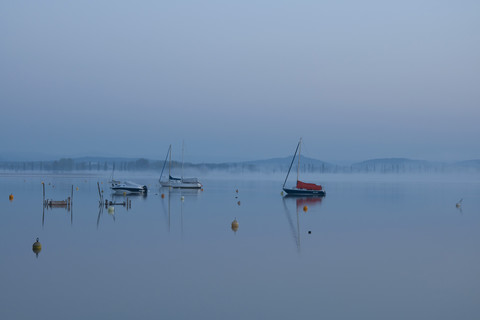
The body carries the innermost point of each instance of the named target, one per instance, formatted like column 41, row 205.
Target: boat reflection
column 176, row 194
column 300, row 204
column 117, row 195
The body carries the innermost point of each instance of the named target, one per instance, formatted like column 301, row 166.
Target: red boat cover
column 308, row 186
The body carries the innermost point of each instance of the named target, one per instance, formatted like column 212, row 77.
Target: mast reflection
column 300, row 203
column 180, row 194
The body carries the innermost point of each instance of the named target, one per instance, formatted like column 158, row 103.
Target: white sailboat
column 185, row 183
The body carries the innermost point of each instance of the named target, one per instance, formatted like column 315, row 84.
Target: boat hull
column 127, row 186
column 181, row 185
column 127, row 189
column 304, row 192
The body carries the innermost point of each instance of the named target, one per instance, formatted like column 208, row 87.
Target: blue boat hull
column 304, row 192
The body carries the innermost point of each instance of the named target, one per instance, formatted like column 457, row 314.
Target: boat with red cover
column 302, row 188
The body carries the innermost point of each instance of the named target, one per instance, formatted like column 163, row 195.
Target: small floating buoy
column 236, row 191
column 305, row 208
column 238, row 202
column 163, row 196
column 281, row 193
column 37, row 247
column 235, row 225
column 201, row 189
column 182, row 198
column 10, row 197
column 124, row 193
column 76, row 189
column 459, row 203
column 111, row 209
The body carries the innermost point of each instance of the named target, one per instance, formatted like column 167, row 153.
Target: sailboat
column 185, row 183
column 302, row 188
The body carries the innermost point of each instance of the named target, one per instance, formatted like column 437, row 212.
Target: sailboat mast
column 291, row 164
column 170, row 163
column 299, row 150
column 164, row 164
column 182, row 156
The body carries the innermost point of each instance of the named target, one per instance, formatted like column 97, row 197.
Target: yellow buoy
column 10, row 197
column 37, row 247
column 124, row 193
column 305, row 208
column 111, row 209
column 459, row 203
column 281, row 193
column 235, row 225
column 77, row 189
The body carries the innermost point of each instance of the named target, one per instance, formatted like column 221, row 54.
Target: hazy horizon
column 240, row 81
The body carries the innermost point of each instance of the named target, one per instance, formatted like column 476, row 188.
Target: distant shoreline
column 102, row 166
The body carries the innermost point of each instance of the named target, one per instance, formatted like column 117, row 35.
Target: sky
column 240, row 80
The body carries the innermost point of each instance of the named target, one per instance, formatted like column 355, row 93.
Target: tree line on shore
column 265, row 166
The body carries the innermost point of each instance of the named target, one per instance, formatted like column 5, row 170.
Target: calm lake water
column 378, row 248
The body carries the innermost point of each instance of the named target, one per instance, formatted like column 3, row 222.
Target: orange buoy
column 10, row 197
column 305, row 208
column 163, row 196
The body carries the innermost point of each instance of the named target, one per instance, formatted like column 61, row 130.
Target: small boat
column 302, row 188
column 127, row 186
column 184, row 183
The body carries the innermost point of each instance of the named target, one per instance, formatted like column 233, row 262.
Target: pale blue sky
column 240, row 79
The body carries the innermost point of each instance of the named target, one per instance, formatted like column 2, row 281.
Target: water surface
column 377, row 249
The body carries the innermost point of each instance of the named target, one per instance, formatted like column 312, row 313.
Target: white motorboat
column 127, row 186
